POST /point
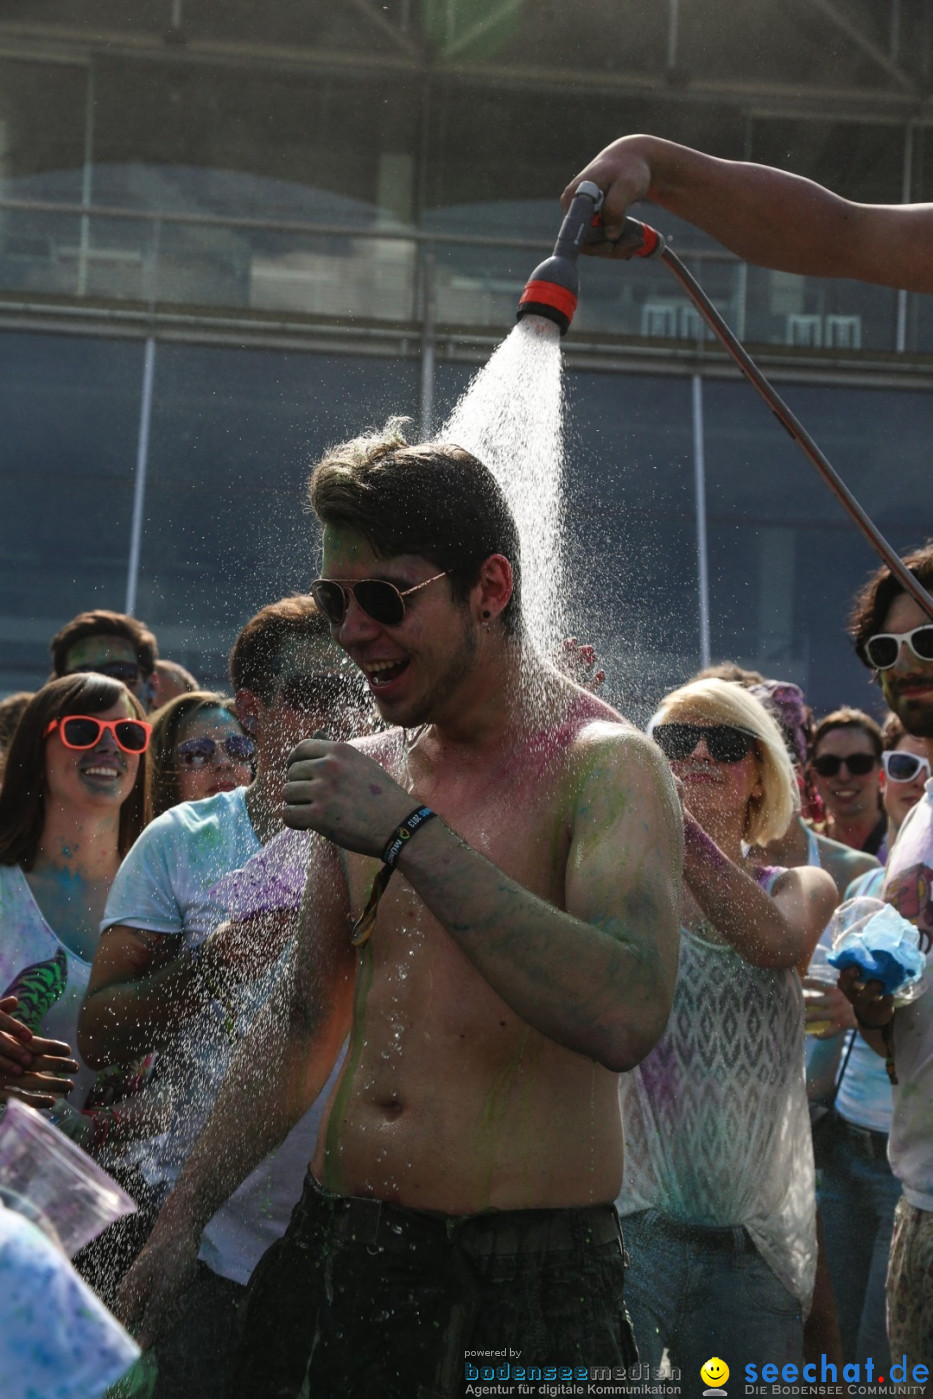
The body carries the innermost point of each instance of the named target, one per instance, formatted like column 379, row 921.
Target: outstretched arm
column 277, row 1072
column 766, row 216
column 596, row 976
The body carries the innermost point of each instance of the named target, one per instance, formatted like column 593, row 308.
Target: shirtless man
column 524, row 953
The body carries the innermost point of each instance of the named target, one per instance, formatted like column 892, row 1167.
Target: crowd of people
column 391, row 985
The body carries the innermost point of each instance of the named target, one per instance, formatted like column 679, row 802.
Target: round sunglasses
column 725, row 743
column 85, row 731
column 883, row 650
column 858, row 764
column 198, row 752
column 379, row 599
column 904, row 767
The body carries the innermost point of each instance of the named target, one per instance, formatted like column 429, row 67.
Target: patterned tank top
column 717, row 1130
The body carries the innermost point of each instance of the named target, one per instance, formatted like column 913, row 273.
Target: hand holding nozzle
column 622, row 171
column 633, row 240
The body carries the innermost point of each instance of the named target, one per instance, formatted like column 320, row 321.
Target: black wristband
column 413, row 822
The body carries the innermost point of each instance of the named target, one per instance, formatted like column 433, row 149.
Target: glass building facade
column 231, row 235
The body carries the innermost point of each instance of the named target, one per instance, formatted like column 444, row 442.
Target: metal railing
column 429, row 280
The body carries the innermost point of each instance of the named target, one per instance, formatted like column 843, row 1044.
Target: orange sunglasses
column 85, row 731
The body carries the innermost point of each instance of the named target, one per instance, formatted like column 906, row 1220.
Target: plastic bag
column 57, row 1340
column 873, row 936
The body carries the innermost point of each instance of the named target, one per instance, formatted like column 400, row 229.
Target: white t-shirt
column 258, row 1212
column 908, row 886
column 864, row 1093
column 163, row 886
column 35, row 965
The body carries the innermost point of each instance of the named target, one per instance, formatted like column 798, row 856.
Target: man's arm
column 144, row 987
column 774, row 930
column 874, row 1011
column 765, row 216
column 597, row 977
column 142, row 990
column 277, row 1072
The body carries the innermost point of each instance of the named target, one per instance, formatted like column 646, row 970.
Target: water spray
column 552, row 292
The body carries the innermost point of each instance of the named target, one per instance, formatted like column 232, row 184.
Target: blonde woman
column 718, row 1194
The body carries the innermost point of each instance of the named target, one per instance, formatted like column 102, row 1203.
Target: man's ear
column 248, row 710
column 493, row 590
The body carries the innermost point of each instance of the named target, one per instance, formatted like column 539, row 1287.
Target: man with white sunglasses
column 894, row 636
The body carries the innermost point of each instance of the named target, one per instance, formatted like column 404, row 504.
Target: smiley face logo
column 715, row 1372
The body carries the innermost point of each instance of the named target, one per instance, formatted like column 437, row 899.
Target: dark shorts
column 364, row 1299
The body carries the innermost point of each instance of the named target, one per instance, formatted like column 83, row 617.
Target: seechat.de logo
column 714, row 1373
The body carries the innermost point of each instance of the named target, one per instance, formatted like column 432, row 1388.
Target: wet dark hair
column 167, row 724
column 256, row 651
column 435, row 500
column 847, row 718
column 100, row 622
column 22, row 796
column 874, row 600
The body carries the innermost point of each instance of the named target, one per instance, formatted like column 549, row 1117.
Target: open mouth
column 108, row 772
column 382, row 674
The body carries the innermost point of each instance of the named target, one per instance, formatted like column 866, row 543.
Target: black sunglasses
column 198, row 752
column 379, row 599
column 858, row 764
column 882, row 650
column 129, row 672
column 325, row 690
column 724, row 742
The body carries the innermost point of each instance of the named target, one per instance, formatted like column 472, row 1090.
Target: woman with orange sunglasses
column 74, row 798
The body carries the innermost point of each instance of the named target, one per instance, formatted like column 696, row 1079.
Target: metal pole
column 139, row 485
column 673, row 17
column 428, row 347
column 86, row 181
column 699, row 484
column 900, row 341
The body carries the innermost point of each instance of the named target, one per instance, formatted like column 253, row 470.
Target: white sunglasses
column 904, row 767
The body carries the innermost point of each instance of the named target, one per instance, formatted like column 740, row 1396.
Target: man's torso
column 450, row 1101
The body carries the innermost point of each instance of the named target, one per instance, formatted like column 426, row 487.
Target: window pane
column 70, row 412
column 785, row 561
column 234, row 433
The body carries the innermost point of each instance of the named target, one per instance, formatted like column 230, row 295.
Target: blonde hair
column 724, row 702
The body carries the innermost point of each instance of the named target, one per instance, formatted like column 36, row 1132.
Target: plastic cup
column 820, row 971
column 54, row 1182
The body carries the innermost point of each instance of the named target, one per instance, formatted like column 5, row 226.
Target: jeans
column 910, row 1285
column 698, row 1293
column 857, row 1197
column 367, row 1300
